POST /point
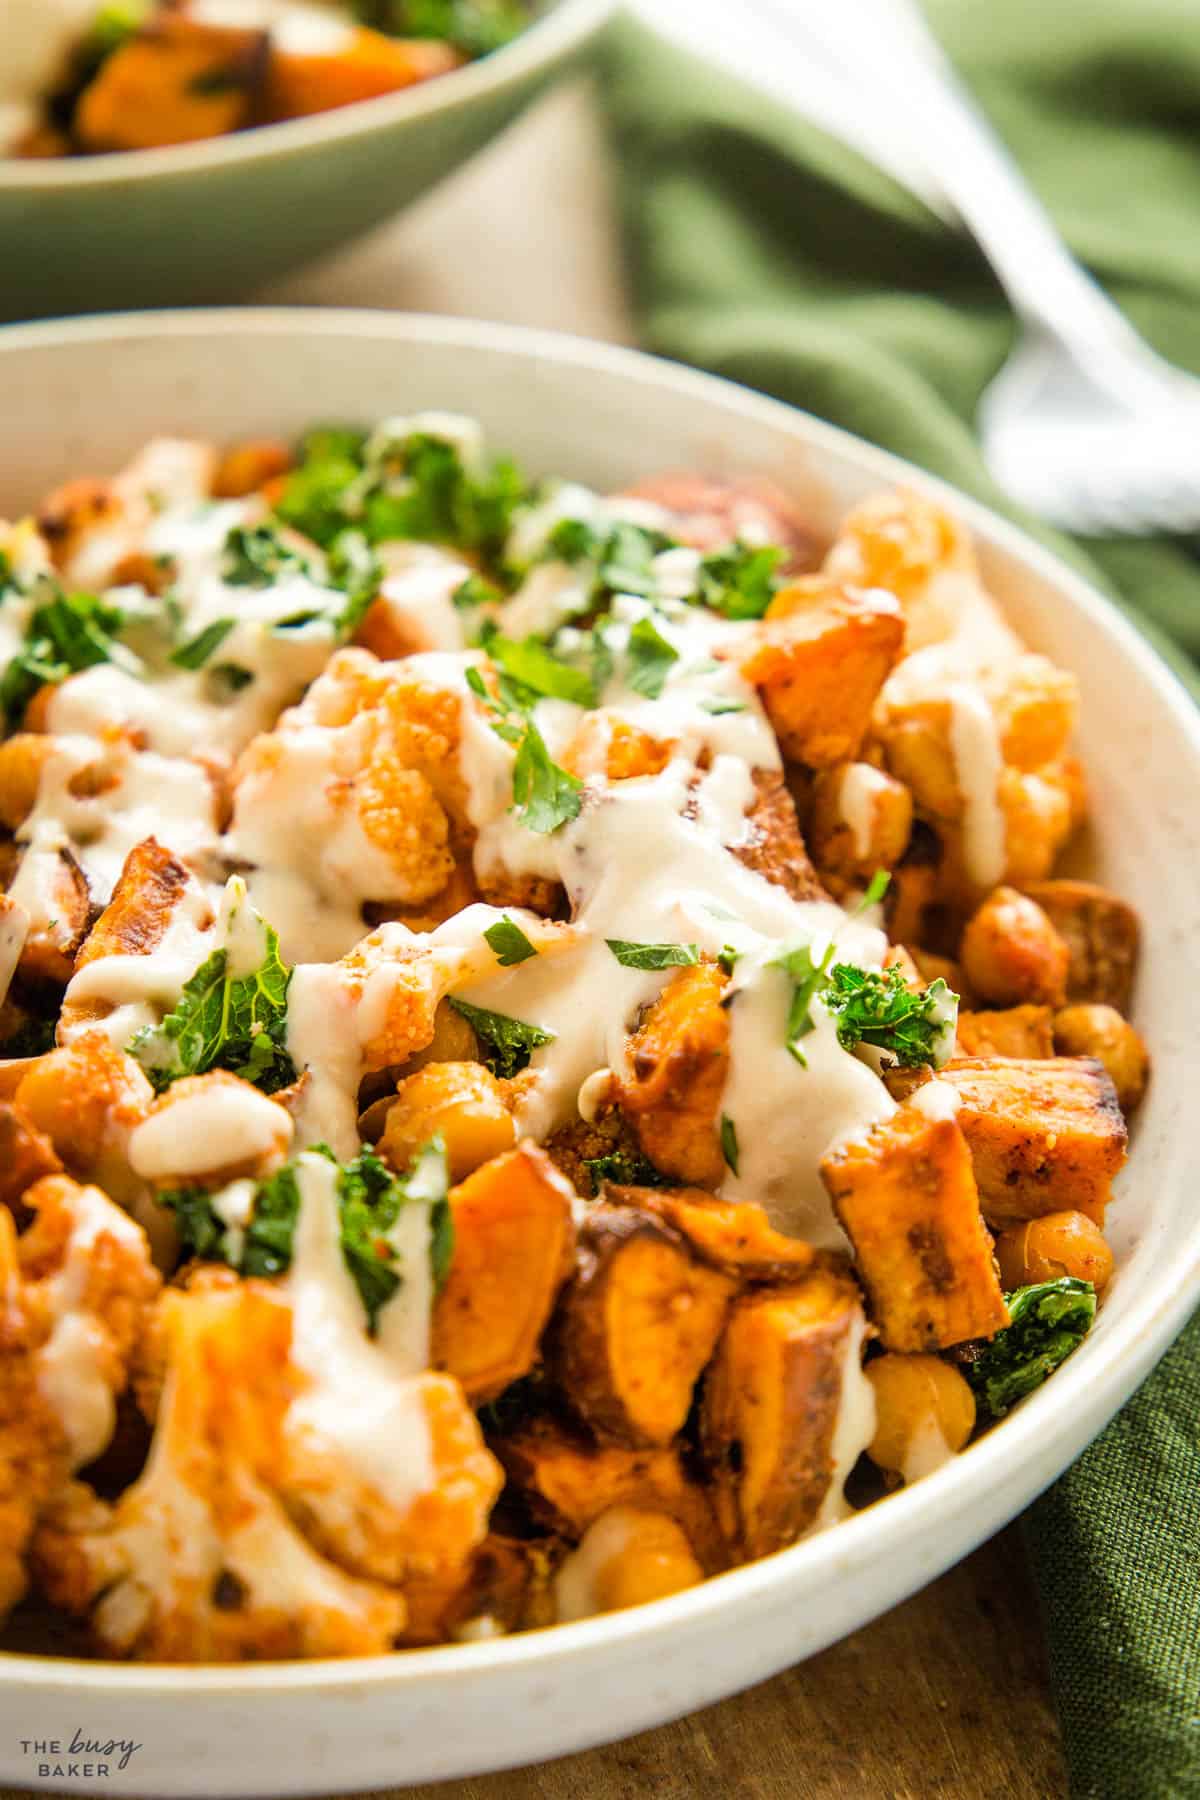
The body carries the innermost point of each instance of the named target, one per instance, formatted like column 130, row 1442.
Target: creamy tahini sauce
column 362, row 1396
column 855, row 1424
column 214, row 1128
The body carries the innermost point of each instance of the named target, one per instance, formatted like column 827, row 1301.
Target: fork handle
column 889, row 43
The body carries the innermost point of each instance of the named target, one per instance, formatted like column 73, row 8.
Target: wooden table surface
column 946, row 1697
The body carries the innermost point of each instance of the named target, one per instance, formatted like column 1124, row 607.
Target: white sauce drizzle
column 860, row 787
column 854, row 1427
column 926, row 1451
column 73, row 1363
column 210, row 1129
column 362, row 1397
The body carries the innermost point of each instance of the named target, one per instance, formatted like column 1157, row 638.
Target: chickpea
column 461, row 1103
column 626, row 1557
column 1057, row 1244
column 452, row 1041
column 921, row 1403
column 1100, row 1031
column 22, row 759
column 1011, row 953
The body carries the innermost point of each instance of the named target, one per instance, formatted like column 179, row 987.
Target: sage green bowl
column 200, row 222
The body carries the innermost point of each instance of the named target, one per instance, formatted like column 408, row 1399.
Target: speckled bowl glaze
column 82, row 396
column 209, row 221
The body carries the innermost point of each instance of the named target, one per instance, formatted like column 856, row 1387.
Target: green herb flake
column 653, row 956
column 729, row 1142
column 808, row 979
column 370, row 1198
column 256, row 556
column 624, row 1168
column 509, row 942
column 650, row 657
column 506, row 1043
column 916, row 1028
column 740, row 582
column 66, row 632
column 1048, row 1321
column 221, row 1021
column 196, row 651
column 538, row 672
column 544, row 795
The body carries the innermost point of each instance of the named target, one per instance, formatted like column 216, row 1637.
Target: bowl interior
column 81, row 397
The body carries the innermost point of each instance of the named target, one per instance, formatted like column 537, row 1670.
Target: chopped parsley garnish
column 476, row 27
column 223, row 1021
column 719, row 705
column 355, row 568
column 625, row 1168
column 370, row 1200
column 914, row 1028
column 315, row 493
column 506, row 1043
column 623, row 554
column 476, row 592
column 729, row 1142
column 808, row 980
column 544, row 795
column 1047, row 1322
column 66, row 632
column 650, row 658
column 419, row 487
column 872, row 1006
column 227, row 679
column 653, row 956
column 509, row 942
column 537, row 672
column 196, row 651
column 877, row 887
column 256, row 556
column 739, row 582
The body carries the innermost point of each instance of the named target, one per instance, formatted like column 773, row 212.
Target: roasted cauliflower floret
column 32, row 1446
column 198, row 1561
column 87, row 1285
column 364, row 775
column 74, row 1290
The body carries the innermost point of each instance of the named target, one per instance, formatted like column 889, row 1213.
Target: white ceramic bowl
column 82, row 396
column 200, row 222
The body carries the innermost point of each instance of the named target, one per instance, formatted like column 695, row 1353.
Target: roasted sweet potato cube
column 506, row 1579
column 1102, row 934
column 861, row 820
column 567, row 1480
column 149, row 890
column 26, row 1154
column 906, row 1197
column 772, row 844
column 66, row 906
column 514, row 1235
column 175, row 82
column 1044, row 1136
column 770, row 1408
column 248, row 466
column 678, row 1061
column 70, row 513
column 1007, row 1031
column 822, row 655
column 735, row 1236
column 361, row 66
column 636, row 1326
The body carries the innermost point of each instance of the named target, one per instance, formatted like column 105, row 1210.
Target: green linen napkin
column 763, row 250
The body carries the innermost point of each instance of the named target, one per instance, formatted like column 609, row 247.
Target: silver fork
column 1085, row 424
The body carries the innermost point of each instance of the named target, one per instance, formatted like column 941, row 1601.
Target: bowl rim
column 1095, row 1390
column 562, row 28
